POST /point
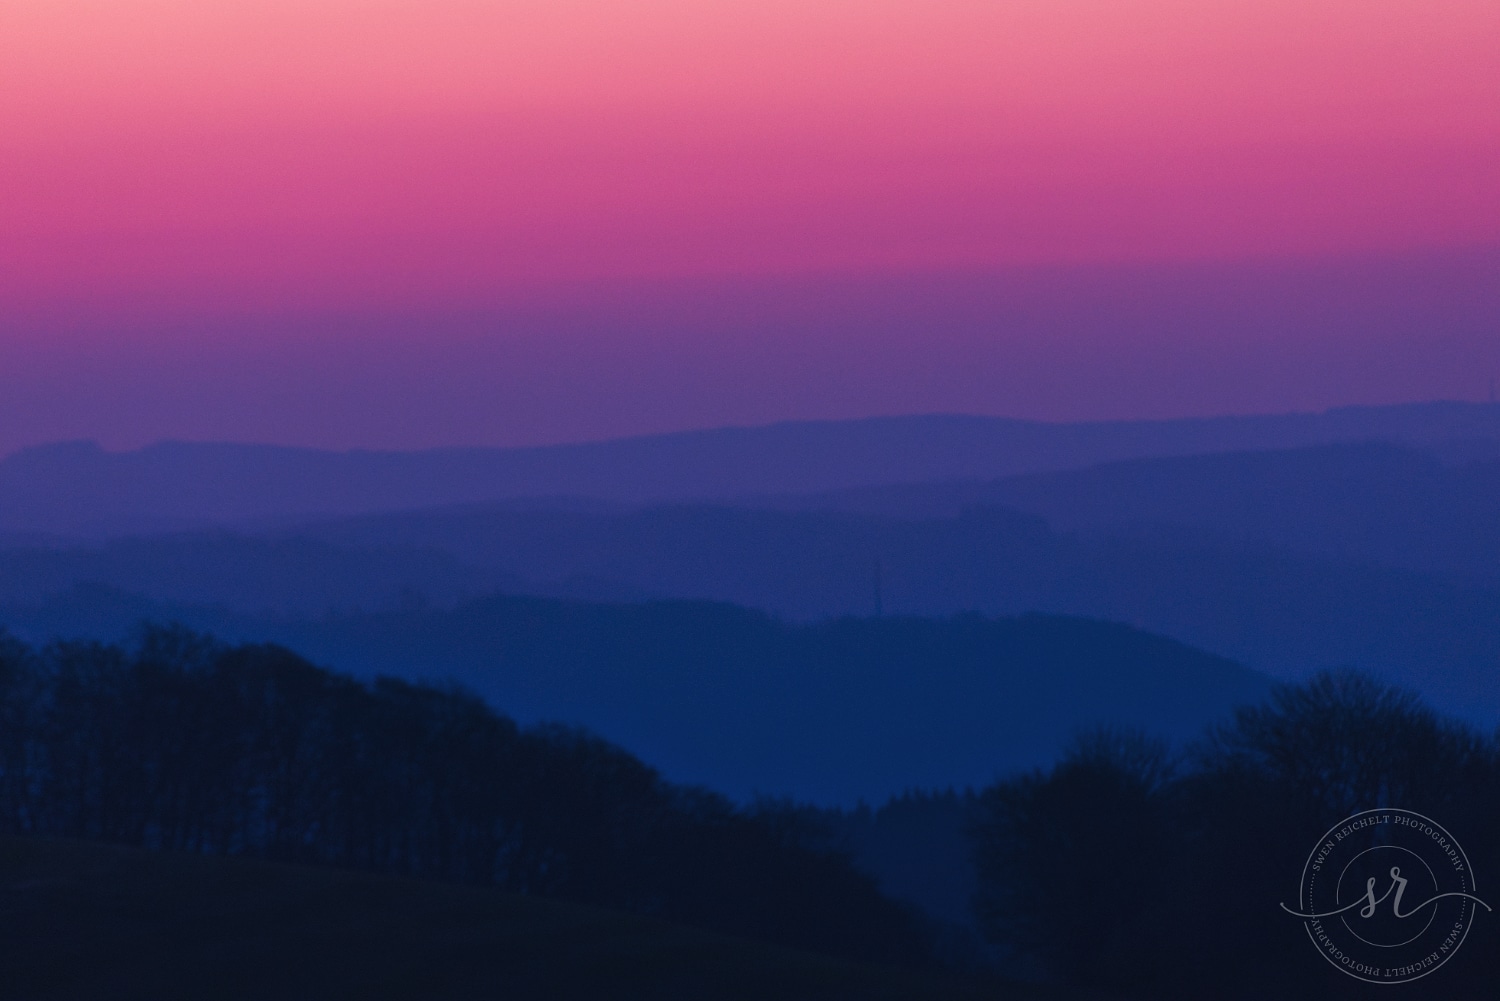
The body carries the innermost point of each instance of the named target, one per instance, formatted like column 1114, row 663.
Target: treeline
column 1143, row 874
column 1128, row 868
column 188, row 744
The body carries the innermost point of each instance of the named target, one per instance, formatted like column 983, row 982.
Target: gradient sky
column 415, row 222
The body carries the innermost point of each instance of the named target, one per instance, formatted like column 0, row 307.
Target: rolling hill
column 1372, row 556
column 1374, row 502
column 78, row 488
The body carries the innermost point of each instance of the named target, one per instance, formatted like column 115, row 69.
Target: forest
column 185, row 744
column 1132, row 867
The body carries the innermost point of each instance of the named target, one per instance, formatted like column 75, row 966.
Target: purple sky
column 594, row 360
column 426, row 222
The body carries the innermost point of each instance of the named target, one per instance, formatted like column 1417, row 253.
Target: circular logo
column 1387, row 896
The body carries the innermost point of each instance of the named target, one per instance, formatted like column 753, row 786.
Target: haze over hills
column 79, row 489
column 1376, row 502
column 1370, row 555
column 1255, row 599
column 1269, row 608
column 1378, row 552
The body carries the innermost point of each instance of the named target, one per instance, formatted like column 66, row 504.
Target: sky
column 404, row 223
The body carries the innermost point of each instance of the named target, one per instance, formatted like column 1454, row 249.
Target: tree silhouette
column 187, row 744
column 1122, row 870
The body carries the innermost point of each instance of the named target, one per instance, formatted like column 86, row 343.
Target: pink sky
column 172, row 170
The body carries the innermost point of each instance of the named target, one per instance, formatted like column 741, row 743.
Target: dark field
column 89, row 921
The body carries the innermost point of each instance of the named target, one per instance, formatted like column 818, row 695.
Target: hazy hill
column 281, row 575
column 1253, row 599
column 996, row 545
column 85, row 921
column 1283, row 578
column 802, row 565
column 1372, row 555
column 77, row 488
column 1374, row 502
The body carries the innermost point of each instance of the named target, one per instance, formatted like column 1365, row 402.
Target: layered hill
column 1375, row 556
column 78, row 488
column 1430, row 510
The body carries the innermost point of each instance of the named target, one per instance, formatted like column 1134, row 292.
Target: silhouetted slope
column 917, row 845
column 79, row 488
column 183, row 743
column 85, row 921
column 735, row 700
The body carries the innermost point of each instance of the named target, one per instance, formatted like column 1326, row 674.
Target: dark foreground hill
column 88, row 921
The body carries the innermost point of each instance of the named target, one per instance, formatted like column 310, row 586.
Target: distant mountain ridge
column 77, row 488
column 1391, row 505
